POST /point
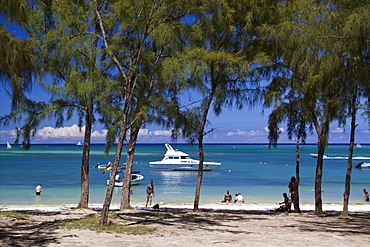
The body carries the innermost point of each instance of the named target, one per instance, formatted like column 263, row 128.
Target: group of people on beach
column 284, row 206
column 228, row 198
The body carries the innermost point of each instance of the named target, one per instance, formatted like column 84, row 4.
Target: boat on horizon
column 316, row 155
column 340, row 157
column 363, row 165
column 175, row 160
column 79, row 144
column 8, row 146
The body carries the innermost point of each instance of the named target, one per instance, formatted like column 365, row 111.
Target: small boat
column 316, row 155
column 136, row 177
column 363, row 165
column 175, row 160
column 102, row 167
column 79, row 144
column 358, row 145
column 8, row 146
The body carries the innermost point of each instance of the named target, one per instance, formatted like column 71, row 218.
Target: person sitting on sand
column 366, row 197
column 227, row 197
column 239, row 198
column 286, row 204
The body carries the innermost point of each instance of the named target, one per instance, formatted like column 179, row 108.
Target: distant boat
column 316, row 155
column 79, row 144
column 8, row 146
column 175, row 160
column 358, row 145
column 363, row 165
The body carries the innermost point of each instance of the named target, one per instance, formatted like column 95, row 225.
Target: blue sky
column 232, row 126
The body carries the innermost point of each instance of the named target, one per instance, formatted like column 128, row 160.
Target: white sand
column 363, row 207
column 176, row 225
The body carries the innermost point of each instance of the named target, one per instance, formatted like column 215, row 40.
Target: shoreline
column 327, row 207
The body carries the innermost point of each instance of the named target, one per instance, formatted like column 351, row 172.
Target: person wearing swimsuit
column 149, row 193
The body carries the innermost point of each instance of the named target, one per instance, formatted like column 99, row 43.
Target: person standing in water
column 38, row 189
column 149, row 193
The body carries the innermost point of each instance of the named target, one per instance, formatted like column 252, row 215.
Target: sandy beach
column 176, row 225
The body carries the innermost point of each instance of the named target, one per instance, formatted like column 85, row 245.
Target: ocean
column 259, row 173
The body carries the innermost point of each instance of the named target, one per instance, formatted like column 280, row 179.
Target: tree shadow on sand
column 41, row 228
column 220, row 220
column 26, row 233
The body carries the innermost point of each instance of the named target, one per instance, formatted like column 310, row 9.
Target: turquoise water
column 259, row 173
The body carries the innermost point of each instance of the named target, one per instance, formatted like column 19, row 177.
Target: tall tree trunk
column 350, row 155
column 318, row 179
column 125, row 198
column 297, row 162
column 322, row 141
column 117, row 157
column 200, row 175
column 84, row 198
column 201, row 153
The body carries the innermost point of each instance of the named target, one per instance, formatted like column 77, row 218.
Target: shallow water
column 259, row 173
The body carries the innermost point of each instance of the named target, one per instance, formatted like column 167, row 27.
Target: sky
column 231, row 126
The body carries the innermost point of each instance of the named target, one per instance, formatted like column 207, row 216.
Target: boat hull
column 207, row 166
column 134, row 181
column 175, row 160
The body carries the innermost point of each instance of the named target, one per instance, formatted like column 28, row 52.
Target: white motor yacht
column 175, row 160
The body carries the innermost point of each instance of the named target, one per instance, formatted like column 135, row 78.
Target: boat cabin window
column 185, row 157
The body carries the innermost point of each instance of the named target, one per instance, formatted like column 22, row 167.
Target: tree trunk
column 350, row 155
column 117, row 157
column 318, row 179
column 84, row 198
column 201, row 153
column 125, row 198
column 297, row 161
column 200, row 175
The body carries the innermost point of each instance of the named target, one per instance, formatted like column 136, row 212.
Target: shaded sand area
column 177, row 225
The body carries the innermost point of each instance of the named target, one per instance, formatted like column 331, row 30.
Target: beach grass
column 16, row 215
column 91, row 222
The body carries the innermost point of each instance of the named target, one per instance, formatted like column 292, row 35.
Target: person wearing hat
column 239, row 198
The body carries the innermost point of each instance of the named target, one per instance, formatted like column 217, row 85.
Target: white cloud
column 146, row 132
column 161, row 132
column 246, row 133
column 50, row 132
column 267, row 129
column 143, row 132
column 338, row 130
column 69, row 133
